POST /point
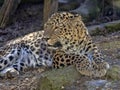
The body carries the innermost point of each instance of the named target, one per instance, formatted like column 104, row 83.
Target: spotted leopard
column 25, row 52
column 32, row 50
column 69, row 30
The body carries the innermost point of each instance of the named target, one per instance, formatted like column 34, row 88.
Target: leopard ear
column 48, row 29
column 76, row 14
column 78, row 17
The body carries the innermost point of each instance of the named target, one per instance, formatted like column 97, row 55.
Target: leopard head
column 65, row 28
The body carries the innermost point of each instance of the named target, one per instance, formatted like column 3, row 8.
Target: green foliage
column 107, row 29
column 114, row 73
column 113, row 28
column 98, row 31
column 58, row 78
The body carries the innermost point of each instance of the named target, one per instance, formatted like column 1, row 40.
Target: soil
column 29, row 19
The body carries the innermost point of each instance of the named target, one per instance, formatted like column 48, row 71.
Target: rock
column 57, row 79
column 114, row 73
column 89, row 9
column 104, row 28
column 97, row 84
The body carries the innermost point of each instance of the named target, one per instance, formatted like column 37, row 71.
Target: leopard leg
column 99, row 65
column 9, row 59
column 19, row 67
column 27, row 60
column 99, row 69
column 83, row 65
column 90, row 68
column 13, row 70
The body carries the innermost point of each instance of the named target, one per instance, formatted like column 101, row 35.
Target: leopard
column 29, row 51
column 67, row 31
column 35, row 49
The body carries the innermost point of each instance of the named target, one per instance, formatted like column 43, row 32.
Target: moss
column 98, row 31
column 45, row 84
column 58, row 78
column 112, row 45
column 112, row 28
column 118, row 56
column 114, row 73
column 106, row 30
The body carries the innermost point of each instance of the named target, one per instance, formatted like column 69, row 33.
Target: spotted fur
column 69, row 30
column 77, row 49
column 28, row 51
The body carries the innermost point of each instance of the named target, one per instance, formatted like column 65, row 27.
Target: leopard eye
column 71, row 16
column 52, row 23
column 57, row 19
column 60, row 31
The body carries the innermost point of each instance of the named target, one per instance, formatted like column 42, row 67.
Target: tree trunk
column 8, row 8
column 50, row 7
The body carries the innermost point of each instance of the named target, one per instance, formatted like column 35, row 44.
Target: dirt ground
column 28, row 19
